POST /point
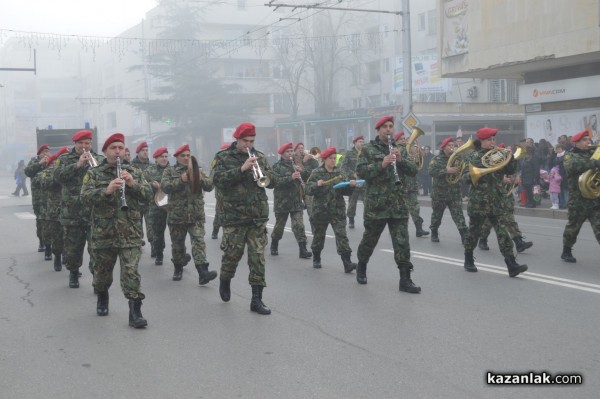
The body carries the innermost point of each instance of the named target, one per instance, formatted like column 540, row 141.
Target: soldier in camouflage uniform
column 53, row 231
column 411, row 186
column 349, row 167
column 577, row 161
column 245, row 222
column 217, row 223
column 186, row 215
column 307, row 163
column 116, row 232
column 142, row 162
column 36, row 165
column 329, row 207
column 289, row 200
column 157, row 215
column 444, row 194
column 385, row 201
column 487, row 200
column 74, row 217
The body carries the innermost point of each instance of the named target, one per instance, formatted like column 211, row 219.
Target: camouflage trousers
column 578, row 216
column 105, row 260
column 438, row 206
column 178, row 234
column 217, row 223
column 357, row 194
column 297, row 225
column 412, row 203
column 508, row 221
column 399, row 233
column 341, row 238
column 149, row 227
column 39, row 230
column 308, row 201
column 475, row 225
column 235, row 238
column 53, row 235
column 74, row 239
column 158, row 220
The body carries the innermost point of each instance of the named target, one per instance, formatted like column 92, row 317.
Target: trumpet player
column 74, row 217
column 237, row 171
column 487, row 199
column 186, row 214
column 445, row 193
column 157, row 215
column 349, row 167
column 582, row 205
column 385, row 201
column 289, row 200
column 33, row 168
column 116, row 231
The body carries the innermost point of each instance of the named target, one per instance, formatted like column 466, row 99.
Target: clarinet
column 397, row 181
column 124, row 206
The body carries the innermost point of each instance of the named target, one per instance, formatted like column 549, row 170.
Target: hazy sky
column 73, row 17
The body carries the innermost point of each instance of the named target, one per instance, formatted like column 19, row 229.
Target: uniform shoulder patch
column 567, row 157
column 213, row 163
column 57, row 161
column 86, row 178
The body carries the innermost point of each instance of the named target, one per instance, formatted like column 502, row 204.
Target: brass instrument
column 519, row 153
column 397, row 180
column 91, row 160
column 261, row 180
column 332, row 180
column 493, row 160
column 124, row 206
column 161, row 198
column 413, row 149
column 314, row 153
column 589, row 181
column 455, row 161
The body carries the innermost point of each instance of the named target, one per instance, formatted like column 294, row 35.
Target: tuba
column 493, row 160
column 455, row 161
column 589, row 181
column 413, row 149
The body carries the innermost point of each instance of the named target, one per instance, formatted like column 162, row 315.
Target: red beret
column 82, row 135
column 383, row 120
column 579, row 136
column 159, row 152
column 54, row 157
column 181, row 149
column 297, row 144
column 140, row 146
column 42, row 148
column 244, row 130
column 284, row 147
column 325, row 154
column 501, row 145
column 399, row 135
column 117, row 137
column 224, row 146
column 446, row 141
column 358, row 138
column 486, row 133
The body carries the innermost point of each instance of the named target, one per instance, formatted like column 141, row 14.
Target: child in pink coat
column 554, row 180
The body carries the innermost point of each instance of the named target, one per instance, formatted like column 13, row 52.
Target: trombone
column 260, row 179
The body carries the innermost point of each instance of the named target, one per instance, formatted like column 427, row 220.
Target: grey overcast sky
column 73, row 17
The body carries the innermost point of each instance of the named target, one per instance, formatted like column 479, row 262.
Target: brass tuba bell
column 589, row 181
column 493, row 160
column 455, row 161
column 413, row 149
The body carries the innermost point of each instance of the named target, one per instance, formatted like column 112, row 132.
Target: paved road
column 328, row 337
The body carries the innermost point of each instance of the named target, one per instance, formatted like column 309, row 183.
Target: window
column 386, row 65
column 241, row 4
column 356, row 78
column 432, row 22
column 503, row 91
column 281, row 104
column 421, row 21
column 386, row 31
column 374, row 72
column 374, row 101
column 111, row 120
column 357, row 103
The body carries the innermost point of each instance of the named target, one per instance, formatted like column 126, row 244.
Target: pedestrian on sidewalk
column 21, row 179
column 554, row 180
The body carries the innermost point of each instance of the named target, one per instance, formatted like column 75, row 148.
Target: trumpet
column 91, row 160
column 261, row 180
column 124, row 206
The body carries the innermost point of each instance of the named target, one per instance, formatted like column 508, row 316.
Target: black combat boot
column 274, row 247
column 178, row 273
column 567, row 256
column 434, row 235
column 257, row 305
column 136, row 320
column 361, row 273
column 159, row 258
column 351, row 222
column 48, row 252
column 483, row 245
column 41, row 247
column 73, row 279
column 420, row 231
column 348, row 265
column 316, row 259
column 406, row 284
column 470, row 262
column 204, row 276
column 513, row 267
column 304, row 253
column 225, row 290
column 522, row 245
column 57, row 263
column 102, row 306
column 186, row 259
column 215, row 233
column 463, row 235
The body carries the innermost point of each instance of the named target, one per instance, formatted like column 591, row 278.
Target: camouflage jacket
column 244, row 201
column 410, row 183
column 185, row 207
column 488, row 196
column 576, row 162
column 53, row 193
column 349, row 162
column 112, row 227
column 218, row 194
column 383, row 199
column 138, row 163
column 441, row 189
column 70, row 177
column 288, row 192
column 328, row 203
column 154, row 173
column 38, row 197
